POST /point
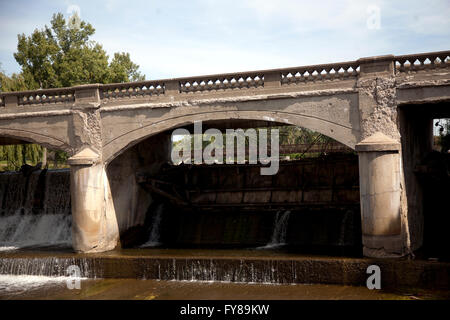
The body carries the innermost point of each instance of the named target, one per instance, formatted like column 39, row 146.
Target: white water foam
column 154, row 238
column 16, row 284
column 279, row 231
column 34, row 230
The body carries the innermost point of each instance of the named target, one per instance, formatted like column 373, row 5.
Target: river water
column 35, row 229
column 56, row 288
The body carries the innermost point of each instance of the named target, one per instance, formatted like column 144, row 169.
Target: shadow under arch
column 343, row 134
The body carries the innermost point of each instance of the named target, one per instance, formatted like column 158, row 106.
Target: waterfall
column 154, row 238
column 279, row 230
column 35, row 209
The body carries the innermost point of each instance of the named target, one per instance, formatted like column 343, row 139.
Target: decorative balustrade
column 321, row 72
column 132, row 90
column 46, row 97
column 417, row 62
column 263, row 79
column 222, row 82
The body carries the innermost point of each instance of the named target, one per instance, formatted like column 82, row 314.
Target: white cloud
column 189, row 58
column 173, row 39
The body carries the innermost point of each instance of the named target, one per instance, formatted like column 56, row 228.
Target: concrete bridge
column 382, row 107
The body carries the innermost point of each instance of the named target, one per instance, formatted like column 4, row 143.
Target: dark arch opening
column 426, row 161
column 232, row 206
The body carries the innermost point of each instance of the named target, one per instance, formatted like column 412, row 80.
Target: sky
column 170, row 39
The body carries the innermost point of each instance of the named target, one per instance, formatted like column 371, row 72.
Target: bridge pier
column 94, row 224
column 380, row 193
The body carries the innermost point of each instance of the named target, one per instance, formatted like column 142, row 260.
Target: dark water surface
column 185, row 290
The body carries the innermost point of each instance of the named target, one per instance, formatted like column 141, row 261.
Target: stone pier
column 379, row 174
column 94, row 224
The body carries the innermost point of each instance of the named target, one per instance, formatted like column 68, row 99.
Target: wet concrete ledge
column 248, row 267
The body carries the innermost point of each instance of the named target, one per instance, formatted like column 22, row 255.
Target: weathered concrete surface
column 348, row 101
column 335, row 116
column 130, row 200
column 379, row 165
column 94, row 224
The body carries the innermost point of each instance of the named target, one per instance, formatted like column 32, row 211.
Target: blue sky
column 182, row 38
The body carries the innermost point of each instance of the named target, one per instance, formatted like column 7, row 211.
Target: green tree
column 15, row 82
column 123, row 69
column 63, row 55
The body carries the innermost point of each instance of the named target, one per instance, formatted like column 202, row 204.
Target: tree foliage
column 60, row 55
column 64, row 55
column 15, row 82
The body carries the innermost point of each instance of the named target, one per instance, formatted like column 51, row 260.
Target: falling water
column 279, row 230
column 28, row 230
column 35, row 210
column 154, row 238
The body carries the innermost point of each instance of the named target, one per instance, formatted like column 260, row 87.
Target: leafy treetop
column 63, row 55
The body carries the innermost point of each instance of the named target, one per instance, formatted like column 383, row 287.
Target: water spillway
column 35, row 212
column 230, row 266
column 310, row 203
column 35, row 209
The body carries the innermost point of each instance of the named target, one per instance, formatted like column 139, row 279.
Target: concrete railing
column 229, row 82
column 132, row 89
column 417, row 62
column 46, row 97
column 321, row 72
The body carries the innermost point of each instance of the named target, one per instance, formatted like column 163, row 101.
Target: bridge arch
column 343, row 134
column 35, row 137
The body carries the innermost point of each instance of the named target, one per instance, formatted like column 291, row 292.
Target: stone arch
column 343, row 134
column 34, row 137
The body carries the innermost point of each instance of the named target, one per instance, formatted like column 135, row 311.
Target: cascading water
column 279, row 230
column 35, row 209
column 154, row 238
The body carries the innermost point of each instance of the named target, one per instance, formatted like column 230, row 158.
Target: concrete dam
column 222, row 206
column 122, row 209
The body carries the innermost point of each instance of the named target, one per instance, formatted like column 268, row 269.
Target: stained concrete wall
column 416, row 125
column 130, row 200
column 336, row 116
column 49, row 131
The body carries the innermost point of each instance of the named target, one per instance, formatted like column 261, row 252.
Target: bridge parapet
column 423, row 61
column 132, row 90
column 321, row 72
column 45, row 97
column 322, row 76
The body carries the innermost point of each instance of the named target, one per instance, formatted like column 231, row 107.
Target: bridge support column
column 380, row 194
column 94, row 224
